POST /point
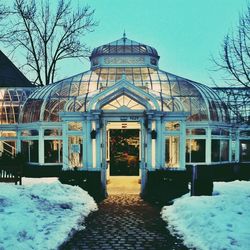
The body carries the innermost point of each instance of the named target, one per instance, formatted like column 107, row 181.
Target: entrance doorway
column 123, row 157
column 124, row 152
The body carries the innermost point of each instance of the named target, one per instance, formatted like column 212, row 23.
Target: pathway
column 124, row 221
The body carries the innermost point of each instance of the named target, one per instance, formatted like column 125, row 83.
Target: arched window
column 123, row 101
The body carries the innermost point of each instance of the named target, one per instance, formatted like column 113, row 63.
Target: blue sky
column 184, row 32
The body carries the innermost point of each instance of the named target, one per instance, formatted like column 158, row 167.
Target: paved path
column 124, row 222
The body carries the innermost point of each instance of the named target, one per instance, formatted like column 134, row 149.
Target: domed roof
column 124, row 46
column 173, row 93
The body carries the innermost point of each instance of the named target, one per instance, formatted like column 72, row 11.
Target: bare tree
column 48, row 34
column 234, row 58
column 3, row 13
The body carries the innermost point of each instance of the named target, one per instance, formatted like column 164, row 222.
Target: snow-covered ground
column 41, row 214
column 221, row 221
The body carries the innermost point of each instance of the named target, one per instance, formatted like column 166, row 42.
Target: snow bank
column 221, row 221
column 41, row 216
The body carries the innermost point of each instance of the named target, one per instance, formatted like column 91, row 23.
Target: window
column 52, row 132
column 31, row 132
column 224, row 150
column 172, row 126
column 195, row 150
column 75, row 126
column 30, row 150
column 233, row 148
column 8, row 147
column 52, row 151
column 123, row 101
column 219, row 131
column 75, row 151
column 7, row 133
column 215, row 150
column 172, row 151
column 197, row 131
column 245, row 150
column 220, row 150
column 244, row 133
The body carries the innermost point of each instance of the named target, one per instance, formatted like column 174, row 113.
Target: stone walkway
column 124, row 222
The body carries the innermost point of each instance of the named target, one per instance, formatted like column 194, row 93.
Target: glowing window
column 75, row 126
column 172, row 126
column 123, row 101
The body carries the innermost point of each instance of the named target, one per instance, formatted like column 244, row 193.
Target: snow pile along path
column 41, row 216
column 221, row 221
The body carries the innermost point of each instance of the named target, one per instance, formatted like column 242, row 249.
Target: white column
column 237, row 146
column 99, row 146
column 230, row 147
column 149, row 145
column 182, row 156
column 163, row 146
column 208, row 145
column 65, row 146
column 84, row 145
column 18, row 141
column 89, row 145
column 41, row 146
column 158, row 155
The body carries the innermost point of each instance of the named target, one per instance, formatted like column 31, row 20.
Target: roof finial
column 124, row 35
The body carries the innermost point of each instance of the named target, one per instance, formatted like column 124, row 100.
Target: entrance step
column 123, row 185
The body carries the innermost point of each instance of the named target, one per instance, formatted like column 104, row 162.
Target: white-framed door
column 116, row 123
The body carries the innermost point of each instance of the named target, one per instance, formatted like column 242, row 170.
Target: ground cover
column 41, row 214
column 221, row 221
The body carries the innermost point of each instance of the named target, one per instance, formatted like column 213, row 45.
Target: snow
column 221, row 221
column 41, row 214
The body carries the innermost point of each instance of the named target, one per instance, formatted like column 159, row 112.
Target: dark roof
column 10, row 75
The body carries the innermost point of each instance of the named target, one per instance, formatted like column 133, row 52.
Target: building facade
column 166, row 121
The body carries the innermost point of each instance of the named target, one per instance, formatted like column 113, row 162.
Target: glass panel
column 52, row 151
column 30, row 150
column 215, row 150
column 224, row 132
column 172, row 126
column 31, row 132
column 123, row 101
column 245, row 133
column 233, row 148
column 197, row 131
column 53, row 132
column 7, row 133
column 224, row 150
column 25, row 149
column 172, row 151
column 8, row 147
column 75, row 151
column 196, row 150
column 33, row 151
column 216, row 131
column 75, row 126
column 245, row 150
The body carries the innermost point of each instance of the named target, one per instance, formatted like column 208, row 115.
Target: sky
column 185, row 33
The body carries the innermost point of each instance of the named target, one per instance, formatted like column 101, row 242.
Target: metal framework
column 238, row 102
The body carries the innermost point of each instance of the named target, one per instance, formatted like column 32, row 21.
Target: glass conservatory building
column 125, row 109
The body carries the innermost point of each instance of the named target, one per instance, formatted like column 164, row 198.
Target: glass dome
column 11, row 101
column 124, row 46
column 172, row 93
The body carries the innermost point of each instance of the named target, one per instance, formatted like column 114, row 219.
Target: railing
column 11, row 174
